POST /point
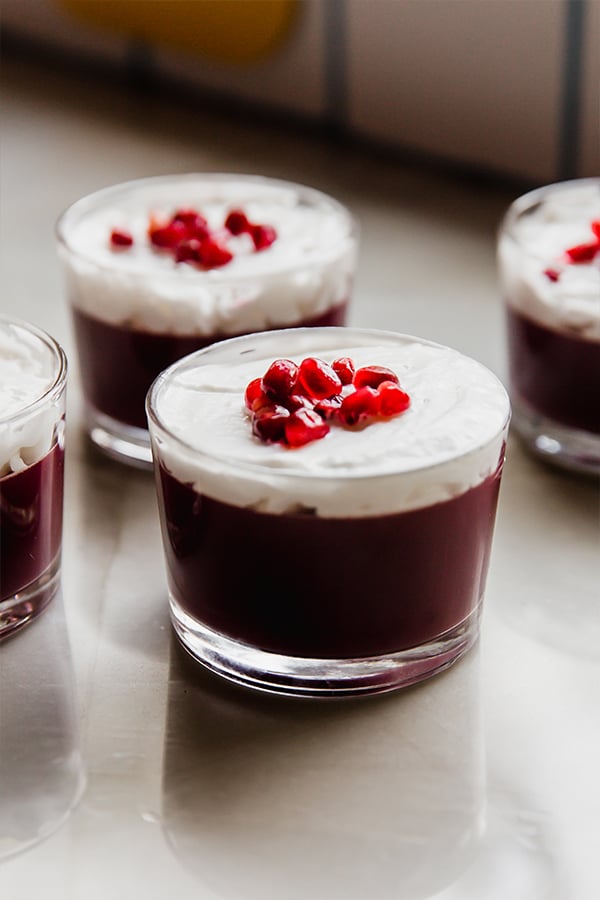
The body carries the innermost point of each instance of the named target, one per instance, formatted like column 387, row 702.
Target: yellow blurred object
column 232, row 31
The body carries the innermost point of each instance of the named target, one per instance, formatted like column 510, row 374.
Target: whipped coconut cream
column 449, row 440
column 28, row 372
column 306, row 272
column 557, row 217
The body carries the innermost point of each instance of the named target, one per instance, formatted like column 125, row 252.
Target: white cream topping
column 28, row 370
column 306, row 272
column 536, row 242
column 450, row 439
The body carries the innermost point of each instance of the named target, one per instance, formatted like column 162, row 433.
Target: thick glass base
column 295, row 676
column 125, row 443
column 567, row 447
column 18, row 610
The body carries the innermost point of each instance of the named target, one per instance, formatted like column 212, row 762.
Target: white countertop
column 126, row 771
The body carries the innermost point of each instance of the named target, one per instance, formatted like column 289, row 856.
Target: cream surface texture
column 449, row 440
column 537, row 242
column 307, row 271
column 28, row 370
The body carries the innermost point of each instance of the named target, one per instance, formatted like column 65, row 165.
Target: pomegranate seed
column 237, row 222
column 294, row 404
column 213, row 254
column 344, row 369
column 298, row 401
column 191, row 218
column 167, row 236
column 372, row 376
column 392, row 399
column 552, row 274
column 304, row 426
column 199, row 230
column 188, row 251
column 583, row 252
column 263, row 236
column 254, row 393
column 269, row 424
column 329, row 408
column 596, row 227
column 120, row 238
column 280, row 379
column 317, row 379
column 359, row 406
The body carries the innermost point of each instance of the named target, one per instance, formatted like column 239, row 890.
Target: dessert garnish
column 120, row 238
column 552, row 274
column 294, row 404
column 580, row 253
column 187, row 237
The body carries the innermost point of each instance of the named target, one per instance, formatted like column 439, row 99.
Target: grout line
column 570, row 114
column 335, row 64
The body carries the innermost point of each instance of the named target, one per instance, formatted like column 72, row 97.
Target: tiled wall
column 508, row 86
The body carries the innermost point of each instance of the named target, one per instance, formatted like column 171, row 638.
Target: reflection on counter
column 41, row 770
column 267, row 797
column 550, row 595
column 513, row 860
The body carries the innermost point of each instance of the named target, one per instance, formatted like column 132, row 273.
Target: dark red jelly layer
column 327, row 588
column 118, row 364
column 31, row 505
column 558, row 375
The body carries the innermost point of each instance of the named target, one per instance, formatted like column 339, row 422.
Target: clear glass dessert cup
column 136, row 308
column 549, row 270
column 33, row 380
column 354, row 565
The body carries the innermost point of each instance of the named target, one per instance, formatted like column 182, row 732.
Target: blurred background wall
column 507, row 87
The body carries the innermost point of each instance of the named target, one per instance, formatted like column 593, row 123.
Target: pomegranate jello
column 159, row 267
column 33, row 373
column 549, row 266
column 327, row 500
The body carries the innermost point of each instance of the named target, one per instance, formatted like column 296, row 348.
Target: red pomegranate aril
column 167, row 236
column 304, row 426
column 392, row 399
column 269, row 423
column 372, row 376
column 329, row 408
column 119, row 238
column 280, row 378
column 358, row 407
column 311, row 396
column 213, row 254
column 191, row 218
column 596, row 227
column 344, row 369
column 188, row 251
column 263, row 236
column 237, row 222
column 317, row 379
column 298, row 401
column 552, row 274
column 582, row 253
column 254, row 393
column 199, row 230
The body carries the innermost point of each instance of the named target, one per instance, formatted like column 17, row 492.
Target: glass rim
column 154, row 420
column 94, row 200
column 61, row 365
column 526, row 201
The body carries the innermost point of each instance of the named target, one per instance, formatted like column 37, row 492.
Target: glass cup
column 143, row 293
column 33, row 370
column 549, row 269
column 353, row 564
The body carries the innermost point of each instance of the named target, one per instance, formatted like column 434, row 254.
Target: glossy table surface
column 126, row 771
